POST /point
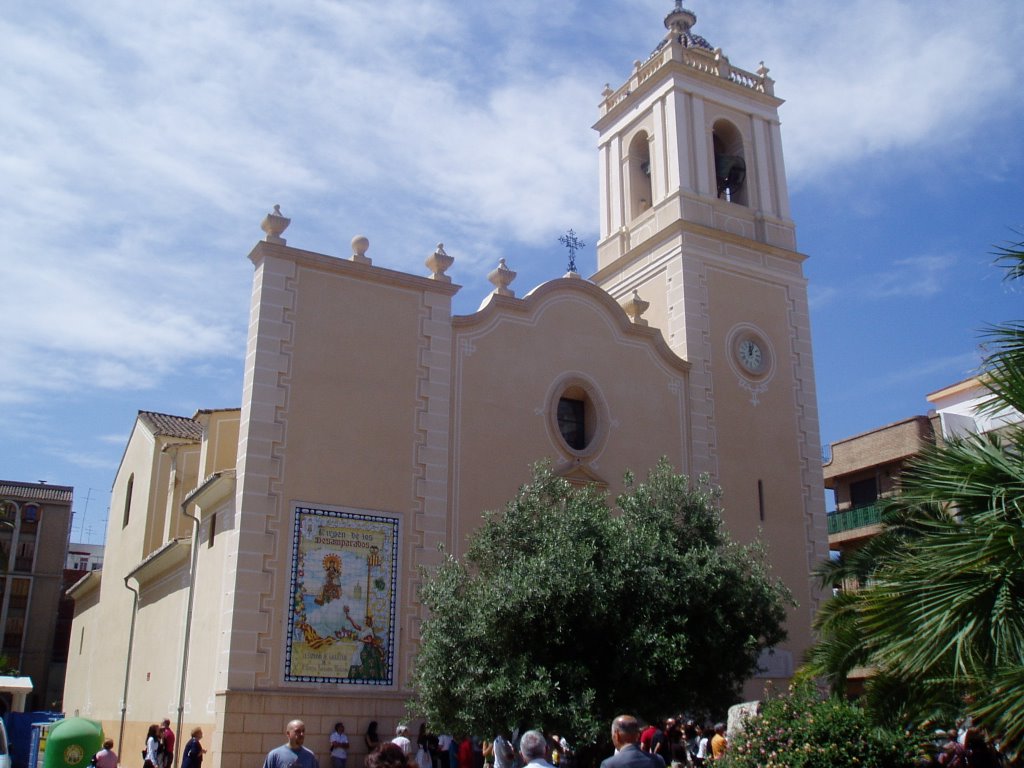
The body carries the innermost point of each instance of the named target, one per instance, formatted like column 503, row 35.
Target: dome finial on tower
column 679, row 22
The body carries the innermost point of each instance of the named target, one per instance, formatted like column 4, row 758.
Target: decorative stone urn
column 360, row 245
column 438, row 262
column 501, row 277
column 635, row 307
column 274, row 224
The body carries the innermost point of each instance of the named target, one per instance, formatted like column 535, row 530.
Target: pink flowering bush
column 805, row 730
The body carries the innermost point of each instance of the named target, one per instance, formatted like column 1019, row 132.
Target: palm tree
column 940, row 618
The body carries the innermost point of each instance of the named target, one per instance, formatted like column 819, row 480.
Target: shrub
column 805, row 730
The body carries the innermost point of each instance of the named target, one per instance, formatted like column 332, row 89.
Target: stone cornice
column 168, row 557
column 85, row 585
column 680, row 227
column 696, row 65
column 213, row 490
column 350, row 269
column 497, row 305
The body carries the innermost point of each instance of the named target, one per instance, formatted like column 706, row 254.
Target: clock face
column 750, row 355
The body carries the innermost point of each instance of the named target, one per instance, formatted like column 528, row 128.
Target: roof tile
column 172, row 426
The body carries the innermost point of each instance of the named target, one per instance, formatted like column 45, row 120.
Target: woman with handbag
column 151, row 754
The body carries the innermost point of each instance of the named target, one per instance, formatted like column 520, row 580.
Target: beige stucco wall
column 220, row 448
column 351, row 417
column 99, row 651
column 99, row 654
column 761, row 441
column 346, row 373
column 569, row 331
column 378, row 405
column 362, row 392
column 715, row 284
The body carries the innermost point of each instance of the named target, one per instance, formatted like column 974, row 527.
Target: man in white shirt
column 402, row 739
column 339, row 746
column 444, row 742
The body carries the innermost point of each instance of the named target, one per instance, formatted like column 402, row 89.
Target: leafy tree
column 805, row 730
column 565, row 613
column 941, row 618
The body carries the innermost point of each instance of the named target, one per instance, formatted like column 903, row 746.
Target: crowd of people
column 675, row 745
column 683, row 742
column 158, row 751
column 966, row 747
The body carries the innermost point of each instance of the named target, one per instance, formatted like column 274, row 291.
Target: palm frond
column 842, row 647
column 1010, row 257
column 1002, row 370
column 966, row 475
column 941, row 608
column 912, row 703
column 1001, row 708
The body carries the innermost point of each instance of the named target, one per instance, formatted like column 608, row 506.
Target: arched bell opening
column 730, row 164
column 639, row 174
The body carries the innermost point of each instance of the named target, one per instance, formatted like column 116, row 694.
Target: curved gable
column 582, row 295
column 561, row 375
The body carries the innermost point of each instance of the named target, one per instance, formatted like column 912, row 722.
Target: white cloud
column 819, row 296
column 88, row 459
column 919, row 276
column 116, row 439
column 913, row 277
column 865, row 77
column 142, row 142
column 961, row 365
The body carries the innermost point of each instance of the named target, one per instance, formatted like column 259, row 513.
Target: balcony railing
column 849, row 519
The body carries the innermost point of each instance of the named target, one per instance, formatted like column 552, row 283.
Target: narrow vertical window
column 730, row 164
column 760, row 499
column 639, row 174
column 128, row 500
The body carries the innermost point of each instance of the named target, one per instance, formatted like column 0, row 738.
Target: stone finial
column 501, row 277
column 679, row 20
column 438, row 262
column 724, row 67
column 635, row 307
column 767, row 85
column 607, row 90
column 360, row 245
column 274, row 224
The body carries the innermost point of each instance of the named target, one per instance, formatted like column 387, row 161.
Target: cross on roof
column 570, row 241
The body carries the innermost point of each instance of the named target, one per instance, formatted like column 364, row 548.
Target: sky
column 141, row 144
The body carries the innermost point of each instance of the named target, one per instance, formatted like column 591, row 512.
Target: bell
column 730, row 171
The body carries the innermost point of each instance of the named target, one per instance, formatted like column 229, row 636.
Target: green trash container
column 72, row 742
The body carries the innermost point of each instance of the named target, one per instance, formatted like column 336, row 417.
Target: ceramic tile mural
column 341, row 622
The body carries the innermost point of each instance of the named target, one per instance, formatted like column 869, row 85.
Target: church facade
column 262, row 563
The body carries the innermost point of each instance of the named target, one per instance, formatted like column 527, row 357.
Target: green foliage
column 804, row 730
column 941, row 612
column 564, row 613
column 7, row 667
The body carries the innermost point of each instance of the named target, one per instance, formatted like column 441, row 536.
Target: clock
column 750, row 355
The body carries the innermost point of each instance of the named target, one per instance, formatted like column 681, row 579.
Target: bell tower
column 694, row 216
